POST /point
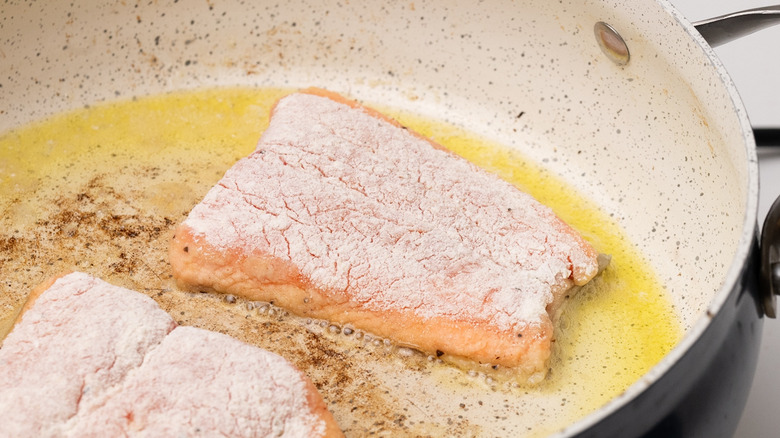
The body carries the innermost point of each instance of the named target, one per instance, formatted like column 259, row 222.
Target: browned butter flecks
column 100, row 190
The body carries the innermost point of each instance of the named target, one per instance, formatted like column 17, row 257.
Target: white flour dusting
column 373, row 213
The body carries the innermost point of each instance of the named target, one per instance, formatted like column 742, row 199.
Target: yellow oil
column 611, row 333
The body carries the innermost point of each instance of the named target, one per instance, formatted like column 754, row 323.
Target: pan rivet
column 611, row 43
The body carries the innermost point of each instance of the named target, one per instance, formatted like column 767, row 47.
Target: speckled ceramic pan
column 668, row 148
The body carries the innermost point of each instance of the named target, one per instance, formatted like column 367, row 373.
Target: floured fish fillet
column 342, row 214
column 86, row 358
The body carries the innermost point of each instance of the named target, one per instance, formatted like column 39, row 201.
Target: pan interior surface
column 144, row 163
column 644, row 141
column 652, row 143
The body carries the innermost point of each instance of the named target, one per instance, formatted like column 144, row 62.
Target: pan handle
column 770, row 260
column 720, row 30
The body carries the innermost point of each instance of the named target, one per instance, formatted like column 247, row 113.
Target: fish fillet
column 342, row 214
column 86, row 358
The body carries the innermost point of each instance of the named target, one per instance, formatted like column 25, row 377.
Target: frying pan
column 668, row 150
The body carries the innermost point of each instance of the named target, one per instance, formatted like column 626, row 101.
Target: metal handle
column 720, row 30
column 770, row 260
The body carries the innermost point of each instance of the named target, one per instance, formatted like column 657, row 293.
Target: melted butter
column 100, row 190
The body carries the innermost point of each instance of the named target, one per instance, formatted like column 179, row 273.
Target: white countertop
column 754, row 64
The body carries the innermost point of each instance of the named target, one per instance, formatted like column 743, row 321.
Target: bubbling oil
column 100, row 190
